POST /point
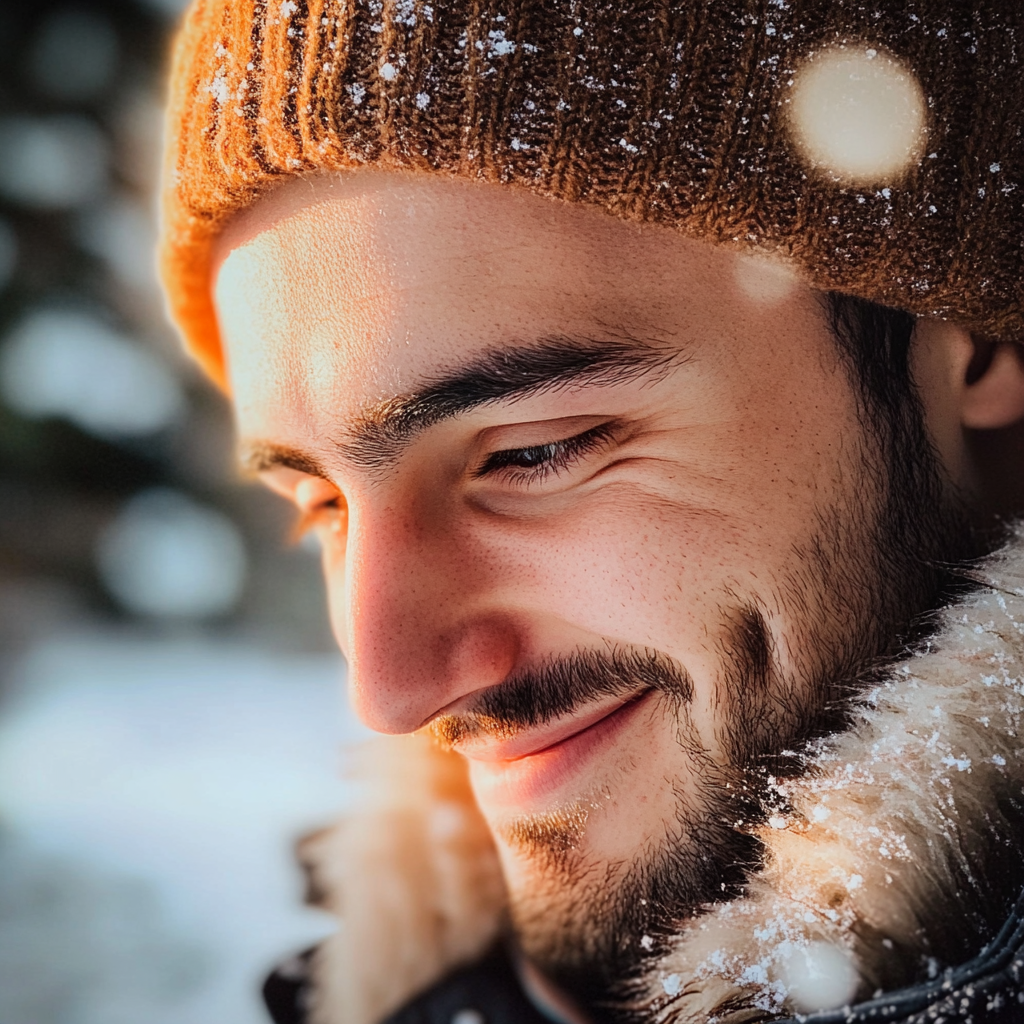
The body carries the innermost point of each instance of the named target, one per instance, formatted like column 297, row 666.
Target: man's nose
column 419, row 616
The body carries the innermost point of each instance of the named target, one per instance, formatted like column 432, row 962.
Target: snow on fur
column 886, row 831
column 881, row 840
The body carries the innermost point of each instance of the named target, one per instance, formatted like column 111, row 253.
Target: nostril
column 384, row 707
column 400, row 680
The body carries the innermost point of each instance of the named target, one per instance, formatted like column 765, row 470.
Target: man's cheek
column 641, row 800
column 629, row 582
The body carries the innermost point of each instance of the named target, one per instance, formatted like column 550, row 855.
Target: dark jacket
column 987, row 990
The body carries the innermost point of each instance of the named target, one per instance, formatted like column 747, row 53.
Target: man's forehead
column 363, row 235
column 363, row 287
column 356, row 197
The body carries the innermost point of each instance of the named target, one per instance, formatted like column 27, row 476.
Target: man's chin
column 572, row 933
column 588, row 918
column 549, row 841
column 586, row 933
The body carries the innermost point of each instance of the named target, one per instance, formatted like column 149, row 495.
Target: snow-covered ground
column 150, row 791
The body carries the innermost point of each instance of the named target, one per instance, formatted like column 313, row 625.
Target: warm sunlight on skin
column 651, row 508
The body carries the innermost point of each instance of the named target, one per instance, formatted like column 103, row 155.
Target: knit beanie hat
column 878, row 144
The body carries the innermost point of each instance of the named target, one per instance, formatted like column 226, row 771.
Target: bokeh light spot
column 858, row 114
column 819, row 976
column 121, row 233
column 74, row 56
column 51, row 163
column 764, row 278
column 71, row 364
column 166, row 556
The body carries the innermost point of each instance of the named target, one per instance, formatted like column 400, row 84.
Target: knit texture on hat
column 654, row 110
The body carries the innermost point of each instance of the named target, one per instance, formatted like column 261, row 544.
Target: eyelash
column 550, row 458
column 310, row 519
column 533, row 464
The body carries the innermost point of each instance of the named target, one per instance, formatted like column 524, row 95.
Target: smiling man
column 648, row 405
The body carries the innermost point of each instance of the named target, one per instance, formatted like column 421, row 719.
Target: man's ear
column 992, row 391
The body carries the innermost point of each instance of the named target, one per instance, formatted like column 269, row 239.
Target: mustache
column 560, row 687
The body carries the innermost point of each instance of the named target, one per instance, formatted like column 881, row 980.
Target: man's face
column 597, row 505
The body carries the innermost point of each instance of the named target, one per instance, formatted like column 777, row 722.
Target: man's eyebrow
column 260, row 456
column 502, row 375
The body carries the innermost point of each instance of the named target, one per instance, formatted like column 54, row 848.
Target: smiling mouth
column 540, row 764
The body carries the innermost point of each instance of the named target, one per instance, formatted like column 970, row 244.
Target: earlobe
column 993, row 386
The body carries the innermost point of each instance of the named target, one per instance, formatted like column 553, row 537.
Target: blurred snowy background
column 170, row 701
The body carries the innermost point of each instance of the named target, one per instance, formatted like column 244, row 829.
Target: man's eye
column 327, row 514
column 525, row 465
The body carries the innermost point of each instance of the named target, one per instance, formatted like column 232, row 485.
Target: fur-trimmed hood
column 893, row 852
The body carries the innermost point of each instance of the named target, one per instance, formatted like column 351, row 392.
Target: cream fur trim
column 876, row 846
column 414, row 877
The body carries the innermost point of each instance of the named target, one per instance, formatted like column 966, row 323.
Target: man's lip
column 555, row 765
column 543, row 737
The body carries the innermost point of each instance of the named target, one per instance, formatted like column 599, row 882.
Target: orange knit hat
column 658, row 110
